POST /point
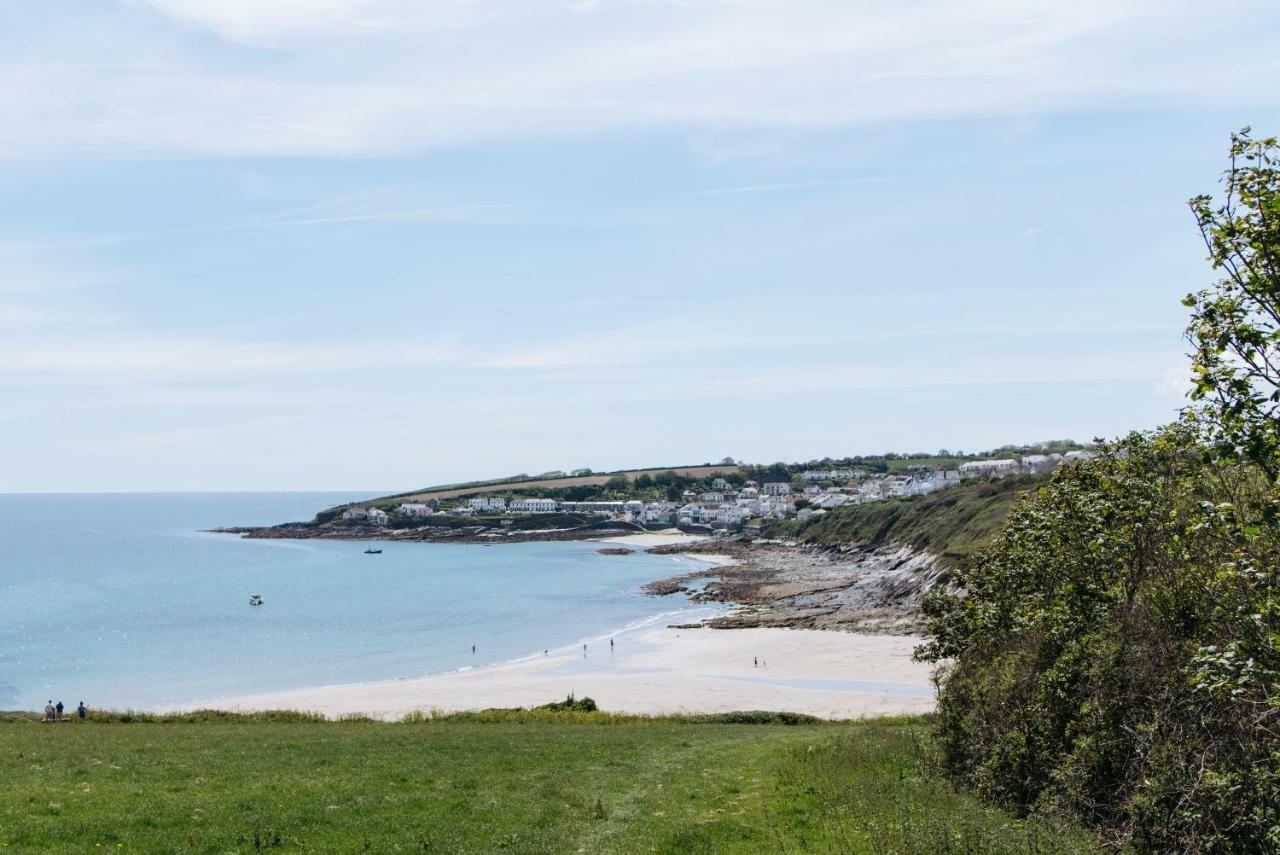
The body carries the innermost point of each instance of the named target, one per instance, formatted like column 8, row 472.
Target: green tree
column 1235, row 324
column 1115, row 653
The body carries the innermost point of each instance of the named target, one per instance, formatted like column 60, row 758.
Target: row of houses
column 725, row 506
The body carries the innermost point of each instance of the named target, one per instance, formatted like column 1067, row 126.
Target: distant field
column 531, row 787
column 584, row 480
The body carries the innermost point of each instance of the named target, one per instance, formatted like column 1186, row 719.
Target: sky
column 349, row 244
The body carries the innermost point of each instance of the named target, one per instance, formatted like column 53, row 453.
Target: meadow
column 506, row 782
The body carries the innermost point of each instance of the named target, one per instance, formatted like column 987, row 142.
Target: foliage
column 571, row 704
column 452, row 785
column 951, row 522
column 1117, row 650
column 1235, row 325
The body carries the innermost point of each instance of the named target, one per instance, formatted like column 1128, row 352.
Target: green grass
column 952, row 523
column 514, row 783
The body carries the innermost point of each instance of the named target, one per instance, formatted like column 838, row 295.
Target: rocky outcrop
column 790, row 585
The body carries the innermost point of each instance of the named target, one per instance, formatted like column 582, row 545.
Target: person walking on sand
column 48, row 710
column 755, row 661
column 58, row 709
column 82, row 711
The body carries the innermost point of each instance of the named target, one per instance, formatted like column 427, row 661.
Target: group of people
column 53, row 712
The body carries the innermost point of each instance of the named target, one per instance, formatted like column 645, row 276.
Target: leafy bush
column 571, row 704
column 1117, row 651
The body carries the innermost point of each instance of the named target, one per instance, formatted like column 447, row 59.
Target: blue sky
column 276, row 244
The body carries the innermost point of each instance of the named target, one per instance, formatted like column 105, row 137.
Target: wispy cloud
column 349, row 77
column 152, row 358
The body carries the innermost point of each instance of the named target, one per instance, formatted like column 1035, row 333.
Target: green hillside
column 950, row 522
column 599, row 784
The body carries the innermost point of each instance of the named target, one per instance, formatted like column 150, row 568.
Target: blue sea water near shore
column 122, row 601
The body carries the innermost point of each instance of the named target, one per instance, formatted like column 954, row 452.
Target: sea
column 126, row 601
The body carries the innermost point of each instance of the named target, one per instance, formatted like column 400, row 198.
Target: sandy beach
column 654, row 670
column 667, row 537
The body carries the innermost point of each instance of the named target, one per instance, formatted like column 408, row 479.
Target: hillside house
column 532, row 506
column 414, row 509
column 990, row 469
column 487, row 504
column 777, row 488
column 355, row 513
column 377, row 516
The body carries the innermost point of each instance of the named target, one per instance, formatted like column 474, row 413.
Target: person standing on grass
column 48, row 710
column 82, row 711
column 58, row 709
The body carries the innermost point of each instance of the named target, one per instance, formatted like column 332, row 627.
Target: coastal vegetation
column 502, row 781
column 950, row 524
column 1116, row 650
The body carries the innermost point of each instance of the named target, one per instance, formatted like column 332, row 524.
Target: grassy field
column 951, row 522
column 594, row 479
column 593, row 785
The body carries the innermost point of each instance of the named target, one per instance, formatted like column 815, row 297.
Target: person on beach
column 473, row 650
column 58, row 709
column 82, row 711
column 48, row 710
column 611, row 645
column 755, row 661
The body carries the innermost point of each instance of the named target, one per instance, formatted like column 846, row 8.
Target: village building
column 377, row 516
column 991, row 469
column 532, row 506
column 415, row 509
column 355, row 513
column 487, row 504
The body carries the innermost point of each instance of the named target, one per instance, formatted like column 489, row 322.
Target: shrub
column 1117, row 650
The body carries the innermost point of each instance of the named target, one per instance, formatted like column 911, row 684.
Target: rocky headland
column 780, row 584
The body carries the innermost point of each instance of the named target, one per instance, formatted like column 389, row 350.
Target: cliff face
column 780, row 585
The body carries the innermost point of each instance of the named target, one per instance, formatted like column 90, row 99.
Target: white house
column 729, row 514
column 777, row 488
column 532, row 506
column 988, row 468
column 719, row 484
column 355, row 513
column 658, row 512
column 1038, row 463
column 377, row 516
column 712, row 497
column 414, row 509
column 488, row 504
column 1078, row 456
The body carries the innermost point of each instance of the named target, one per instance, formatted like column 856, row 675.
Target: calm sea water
column 121, row 600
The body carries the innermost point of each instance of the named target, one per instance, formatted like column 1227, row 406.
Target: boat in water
column 373, row 552
column 256, row 600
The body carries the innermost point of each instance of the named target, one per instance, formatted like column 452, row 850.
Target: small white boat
column 255, row 600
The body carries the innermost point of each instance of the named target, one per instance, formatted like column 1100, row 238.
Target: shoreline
column 650, row 670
